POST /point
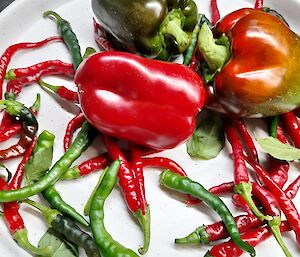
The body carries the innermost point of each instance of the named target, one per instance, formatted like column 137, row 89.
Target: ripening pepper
column 153, row 28
column 145, row 101
column 258, row 74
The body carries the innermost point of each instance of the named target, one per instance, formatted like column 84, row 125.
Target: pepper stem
column 215, row 52
column 48, row 213
column 274, row 225
column 48, row 86
column 87, row 206
column 71, row 173
column 12, row 107
column 21, row 237
column 10, row 74
column 172, row 25
column 54, row 14
column 37, row 104
column 88, row 51
column 144, row 220
column 245, row 190
column 198, row 236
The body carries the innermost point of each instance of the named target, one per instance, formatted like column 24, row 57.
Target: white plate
column 22, row 21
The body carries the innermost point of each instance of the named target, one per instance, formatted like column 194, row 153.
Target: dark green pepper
column 148, row 27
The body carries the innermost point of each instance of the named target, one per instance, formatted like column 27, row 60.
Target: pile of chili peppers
column 263, row 200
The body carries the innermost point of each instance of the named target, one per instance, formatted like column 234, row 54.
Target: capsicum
column 154, row 28
column 145, row 101
column 257, row 74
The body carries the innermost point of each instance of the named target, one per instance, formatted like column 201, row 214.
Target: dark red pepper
column 215, row 13
column 292, row 127
column 139, row 99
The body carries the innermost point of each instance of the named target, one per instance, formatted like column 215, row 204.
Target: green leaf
column 208, row 139
column 59, row 246
column 279, row 150
column 41, row 159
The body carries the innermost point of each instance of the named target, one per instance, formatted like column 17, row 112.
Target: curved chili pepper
column 272, row 208
column 185, row 185
column 34, row 69
column 292, row 126
column 16, row 225
column 82, row 141
column 11, row 50
column 30, row 127
column 128, row 183
column 15, row 86
column 70, row 39
column 10, row 131
column 107, row 245
column 246, row 137
column 87, row 167
column 74, row 124
column 293, row 188
column 61, row 91
column 67, row 228
column 215, row 13
column 254, row 237
column 286, row 204
column 209, row 233
column 241, row 177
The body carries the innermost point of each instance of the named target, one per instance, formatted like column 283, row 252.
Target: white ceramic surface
column 171, row 218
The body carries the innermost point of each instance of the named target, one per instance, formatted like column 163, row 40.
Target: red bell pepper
column 147, row 102
column 261, row 74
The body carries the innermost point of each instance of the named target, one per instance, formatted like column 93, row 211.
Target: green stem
column 144, row 221
column 88, row 51
column 48, row 86
column 216, row 55
column 199, row 236
column 10, row 75
column 274, row 225
column 273, row 126
column 245, row 190
column 37, row 103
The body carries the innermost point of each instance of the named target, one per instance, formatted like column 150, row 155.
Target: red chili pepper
column 131, row 111
column 61, row 91
column 6, row 121
column 16, row 225
column 215, row 14
column 16, row 180
column 15, row 86
column 101, row 39
column 165, row 163
column 137, row 166
column 246, row 137
column 292, row 126
column 126, row 175
column 210, row 233
column 293, row 188
column 11, row 50
column 10, row 131
column 259, row 4
column 240, row 202
column 281, row 135
column 36, row 68
column 87, row 167
column 254, row 237
column 279, row 171
column 74, row 124
column 286, row 204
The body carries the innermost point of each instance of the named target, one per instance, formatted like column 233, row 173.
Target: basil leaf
column 279, row 150
column 41, row 158
column 59, row 246
column 208, row 139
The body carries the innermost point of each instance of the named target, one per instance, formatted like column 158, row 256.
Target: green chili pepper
column 68, row 229
column 82, row 141
column 185, row 185
column 66, row 32
column 56, row 201
column 107, row 245
column 273, row 126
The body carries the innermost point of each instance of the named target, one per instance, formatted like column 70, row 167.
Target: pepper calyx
column 10, row 74
column 12, row 107
column 173, row 25
column 245, row 190
column 216, row 52
column 198, row 236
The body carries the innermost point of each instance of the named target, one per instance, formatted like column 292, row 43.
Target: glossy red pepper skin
column 262, row 77
column 144, row 101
